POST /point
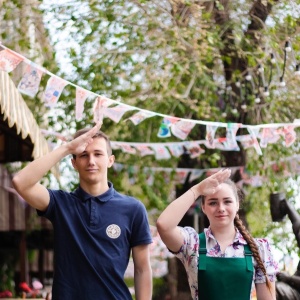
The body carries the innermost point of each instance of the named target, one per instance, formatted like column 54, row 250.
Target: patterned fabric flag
column 30, row 82
column 140, row 116
column 81, row 95
column 144, row 150
column 54, row 88
column 161, row 152
column 246, row 141
column 116, row 113
column 182, row 129
column 269, row 136
column 195, row 174
column 194, row 149
column 253, row 134
column 176, row 149
column 164, row 129
column 289, row 135
column 99, row 106
column 230, row 143
column 9, row 60
column 127, row 148
column 210, row 135
column 180, row 175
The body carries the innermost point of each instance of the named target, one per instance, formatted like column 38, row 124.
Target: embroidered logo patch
column 113, row 231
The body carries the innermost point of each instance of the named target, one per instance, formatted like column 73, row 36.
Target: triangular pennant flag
column 269, row 136
column 116, row 113
column 182, row 129
column 144, row 149
column 230, row 143
column 289, row 135
column 210, row 135
column 30, row 82
column 99, row 106
column 9, row 60
column 255, row 143
column 140, row 116
column 127, row 148
column 196, row 173
column 181, row 175
column 161, row 152
column 54, row 88
column 194, row 149
column 176, row 149
column 81, row 95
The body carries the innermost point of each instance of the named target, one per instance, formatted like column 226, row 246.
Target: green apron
column 221, row 278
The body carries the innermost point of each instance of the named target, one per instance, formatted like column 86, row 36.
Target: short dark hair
column 99, row 134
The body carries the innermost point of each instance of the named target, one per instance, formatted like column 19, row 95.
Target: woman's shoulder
column 264, row 245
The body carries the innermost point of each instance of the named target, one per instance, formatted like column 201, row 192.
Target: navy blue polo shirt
column 93, row 237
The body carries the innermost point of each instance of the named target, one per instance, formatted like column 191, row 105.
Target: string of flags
column 290, row 166
column 170, row 125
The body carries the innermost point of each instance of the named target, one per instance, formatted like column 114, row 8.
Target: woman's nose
column 221, row 207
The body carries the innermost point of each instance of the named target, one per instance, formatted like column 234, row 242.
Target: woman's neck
column 224, row 236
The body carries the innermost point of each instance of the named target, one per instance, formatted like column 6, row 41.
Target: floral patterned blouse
column 188, row 254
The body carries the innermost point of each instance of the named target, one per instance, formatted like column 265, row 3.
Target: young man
column 95, row 227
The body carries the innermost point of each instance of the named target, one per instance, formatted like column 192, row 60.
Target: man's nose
column 91, row 159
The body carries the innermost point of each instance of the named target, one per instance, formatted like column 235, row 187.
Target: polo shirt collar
column 84, row 196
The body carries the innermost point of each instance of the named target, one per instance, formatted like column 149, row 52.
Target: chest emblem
column 113, row 231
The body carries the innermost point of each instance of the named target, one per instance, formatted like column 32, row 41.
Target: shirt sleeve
column 141, row 234
column 271, row 265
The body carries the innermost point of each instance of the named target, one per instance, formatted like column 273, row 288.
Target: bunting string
column 170, row 125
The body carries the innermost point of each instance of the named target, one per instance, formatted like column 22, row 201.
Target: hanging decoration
column 170, row 125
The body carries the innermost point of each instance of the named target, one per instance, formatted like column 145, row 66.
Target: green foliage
column 173, row 58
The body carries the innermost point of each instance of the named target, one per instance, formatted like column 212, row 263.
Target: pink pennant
column 176, row 149
column 9, row 60
column 116, row 113
column 289, row 135
column 30, row 82
column 144, row 150
column 54, row 88
column 81, row 95
column 100, row 104
column 210, row 135
column 269, row 136
column 140, row 116
column 181, row 175
column 127, row 148
column 230, row 143
column 161, row 152
column 194, row 149
column 182, row 129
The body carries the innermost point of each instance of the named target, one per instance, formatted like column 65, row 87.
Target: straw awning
column 19, row 131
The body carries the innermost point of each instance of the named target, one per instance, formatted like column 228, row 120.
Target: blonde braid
column 253, row 247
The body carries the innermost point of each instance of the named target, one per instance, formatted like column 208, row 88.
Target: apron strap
column 248, row 256
column 202, row 252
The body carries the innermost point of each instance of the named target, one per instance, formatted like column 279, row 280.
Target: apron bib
column 221, row 278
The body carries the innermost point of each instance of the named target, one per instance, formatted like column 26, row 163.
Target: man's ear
column 73, row 161
column 111, row 160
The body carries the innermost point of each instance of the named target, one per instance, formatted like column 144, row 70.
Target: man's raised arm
column 27, row 181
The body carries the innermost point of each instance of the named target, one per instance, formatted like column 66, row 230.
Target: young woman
column 224, row 262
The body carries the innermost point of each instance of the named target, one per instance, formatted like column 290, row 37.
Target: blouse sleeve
column 190, row 245
column 268, row 260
